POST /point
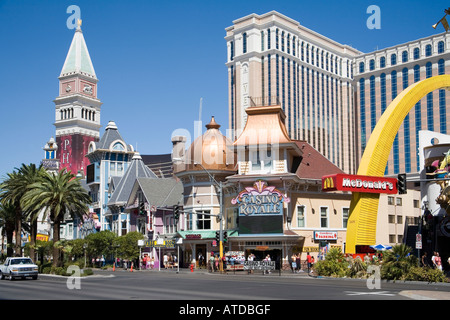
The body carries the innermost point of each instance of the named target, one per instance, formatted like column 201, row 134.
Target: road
column 203, row 289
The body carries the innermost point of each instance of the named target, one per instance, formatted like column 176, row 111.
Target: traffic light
column 218, row 236
column 225, row 236
column 401, row 183
column 142, row 209
column 176, row 212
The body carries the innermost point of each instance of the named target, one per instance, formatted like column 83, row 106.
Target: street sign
column 418, row 241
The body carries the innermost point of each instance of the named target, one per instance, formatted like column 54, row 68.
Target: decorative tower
column 77, row 108
column 50, row 161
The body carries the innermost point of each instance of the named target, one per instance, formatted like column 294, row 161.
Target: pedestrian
column 425, row 260
column 437, row 261
column 293, row 263
column 308, row 261
column 298, row 262
column 211, row 262
column 165, row 260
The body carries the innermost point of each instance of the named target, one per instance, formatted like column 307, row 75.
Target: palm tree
column 7, row 223
column 13, row 188
column 60, row 194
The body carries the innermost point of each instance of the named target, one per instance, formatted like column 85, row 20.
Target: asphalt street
column 201, row 285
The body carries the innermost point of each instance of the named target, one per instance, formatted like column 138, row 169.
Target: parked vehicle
column 18, row 267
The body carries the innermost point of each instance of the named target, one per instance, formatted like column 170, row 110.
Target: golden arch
column 361, row 226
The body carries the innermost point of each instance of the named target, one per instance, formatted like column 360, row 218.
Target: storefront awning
column 203, row 234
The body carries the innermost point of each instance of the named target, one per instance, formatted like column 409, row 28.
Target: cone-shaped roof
column 78, row 59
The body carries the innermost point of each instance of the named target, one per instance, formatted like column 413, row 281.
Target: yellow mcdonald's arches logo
column 361, row 225
column 328, row 183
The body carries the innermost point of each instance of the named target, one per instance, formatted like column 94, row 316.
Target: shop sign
column 162, row 244
column 358, row 183
column 325, row 235
column 260, row 199
column 195, row 236
column 259, row 265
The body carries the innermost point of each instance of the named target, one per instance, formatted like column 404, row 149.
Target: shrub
column 425, row 274
column 334, row 264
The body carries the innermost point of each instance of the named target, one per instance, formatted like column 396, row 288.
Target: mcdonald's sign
column 357, row 183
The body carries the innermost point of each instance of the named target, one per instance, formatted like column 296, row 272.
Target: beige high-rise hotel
column 331, row 93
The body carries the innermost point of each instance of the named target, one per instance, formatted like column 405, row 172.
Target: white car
column 18, row 267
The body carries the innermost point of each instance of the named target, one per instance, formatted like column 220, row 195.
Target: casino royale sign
column 357, row 183
column 260, row 200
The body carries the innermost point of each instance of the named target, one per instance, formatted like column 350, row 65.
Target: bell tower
column 77, row 108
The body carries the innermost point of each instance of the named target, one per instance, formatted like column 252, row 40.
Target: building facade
column 266, row 188
column 381, row 75
column 272, row 59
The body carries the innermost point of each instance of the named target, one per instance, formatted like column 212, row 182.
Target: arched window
column 416, row 53
column 118, row 146
column 428, row 50
column 382, row 62
column 441, row 47
column 405, row 56
column 361, row 67
column 268, row 38
column 282, row 41
column 372, row 64
column 393, row 59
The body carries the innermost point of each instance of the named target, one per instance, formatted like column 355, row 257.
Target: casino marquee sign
column 357, row 183
column 260, row 199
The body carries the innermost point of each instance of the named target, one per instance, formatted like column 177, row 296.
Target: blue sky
column 155, row 60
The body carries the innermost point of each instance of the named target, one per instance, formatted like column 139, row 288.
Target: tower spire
column 77, row 116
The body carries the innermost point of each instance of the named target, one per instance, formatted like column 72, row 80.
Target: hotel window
column 373, row 119
column 262, row 40
column 361, row 67
column 406, row 127
column 405, row 56
column 396, row 142
column 288, row 45
column 268, row 39
column 276, row 39
column 203, row 221
column 430, row 122
column 428, row 50
column 282, row 41
column 390, row 200
column 362, row 113
column 442, row 109
column 398, row 201
column 393, row 59
column 323, row 217
column 371, row 64
column 441, row 47
column 293, row 46
column 391, row 218
column 244, row 42
column 416, row 53
column 345, row 215
column 301, row 216
column 417, row 110
column 382, row 62
column 231, row 50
